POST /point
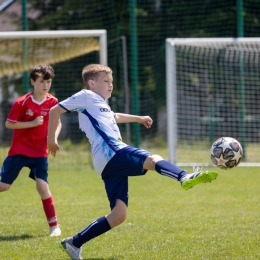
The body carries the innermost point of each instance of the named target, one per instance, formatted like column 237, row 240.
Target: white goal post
column 213, row 90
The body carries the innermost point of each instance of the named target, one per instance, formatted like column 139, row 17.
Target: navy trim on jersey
column 65, row 108
column 95, row 124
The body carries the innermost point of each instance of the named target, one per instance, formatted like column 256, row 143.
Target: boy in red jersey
column 29, row 117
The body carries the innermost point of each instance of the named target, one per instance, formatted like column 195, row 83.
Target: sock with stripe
column 49, row 210
column 170, row 170
column 96, row 228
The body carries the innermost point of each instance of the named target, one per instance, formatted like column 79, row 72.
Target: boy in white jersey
column 113, row 159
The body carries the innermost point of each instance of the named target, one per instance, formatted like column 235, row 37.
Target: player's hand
column 53, row 147
column 146, row 121
column 38, row 120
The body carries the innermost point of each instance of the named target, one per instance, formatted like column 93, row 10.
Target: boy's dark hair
column 43, row 70
column 92, row 71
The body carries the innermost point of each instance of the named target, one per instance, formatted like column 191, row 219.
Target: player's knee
column 4, row 187
column 120, row 218
column 43, row 190
column 118, row 214
column 116, row 218
column 151, row 160
column 156, row 158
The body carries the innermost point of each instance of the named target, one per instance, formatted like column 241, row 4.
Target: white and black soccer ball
column 226, row 153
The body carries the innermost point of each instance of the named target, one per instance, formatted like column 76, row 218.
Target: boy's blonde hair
column 92, row 72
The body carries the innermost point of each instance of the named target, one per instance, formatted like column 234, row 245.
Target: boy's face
column 41, row 86
column 103, row 85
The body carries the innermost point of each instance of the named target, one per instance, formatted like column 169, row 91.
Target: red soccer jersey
column 31, row 142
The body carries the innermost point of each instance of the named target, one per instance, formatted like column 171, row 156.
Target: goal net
column 21, row 51
column 213, row 90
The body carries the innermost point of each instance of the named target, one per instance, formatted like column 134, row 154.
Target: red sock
column 49, row 209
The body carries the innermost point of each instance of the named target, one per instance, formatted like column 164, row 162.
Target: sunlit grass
column 211, row 221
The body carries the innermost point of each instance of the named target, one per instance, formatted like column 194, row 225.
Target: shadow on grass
column 14, row 238
column 111, row 258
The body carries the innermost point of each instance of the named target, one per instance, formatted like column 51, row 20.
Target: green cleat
column 190, row 180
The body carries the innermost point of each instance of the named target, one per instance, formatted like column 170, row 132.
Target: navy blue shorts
column 128, row 161
column 12, row 166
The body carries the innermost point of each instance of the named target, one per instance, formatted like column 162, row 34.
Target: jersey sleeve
column 76, row 102
column 15, row 113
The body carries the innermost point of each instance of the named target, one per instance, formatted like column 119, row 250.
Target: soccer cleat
column 72, row 251
column 55, row 231
column 190, row 180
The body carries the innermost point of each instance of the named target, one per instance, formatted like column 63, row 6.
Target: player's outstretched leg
column 67, row 246
column 190, row 180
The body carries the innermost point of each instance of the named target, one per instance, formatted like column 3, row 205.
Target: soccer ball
column 226, row 153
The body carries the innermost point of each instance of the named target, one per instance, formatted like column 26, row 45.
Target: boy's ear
column 91, row 83
column 32, row 81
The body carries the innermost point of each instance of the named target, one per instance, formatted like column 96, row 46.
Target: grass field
column 211, row 221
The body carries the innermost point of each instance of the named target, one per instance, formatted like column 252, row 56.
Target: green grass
column 211, row 221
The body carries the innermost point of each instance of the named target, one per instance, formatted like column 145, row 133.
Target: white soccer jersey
column 97, row 121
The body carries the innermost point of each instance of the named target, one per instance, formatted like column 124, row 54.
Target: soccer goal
column 213, row 90
column 21, row 51
column 67, row 51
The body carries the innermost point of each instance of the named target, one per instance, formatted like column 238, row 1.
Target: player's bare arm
column 21, row 125
column 54, row 128
column 57, row 133
column 127, row 118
